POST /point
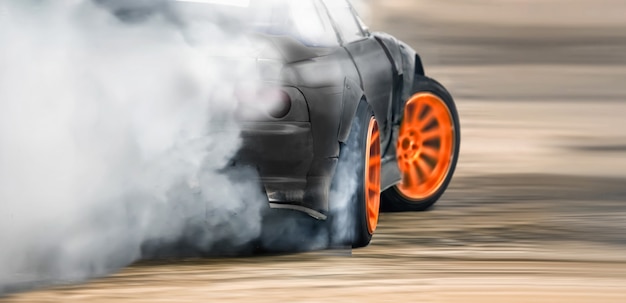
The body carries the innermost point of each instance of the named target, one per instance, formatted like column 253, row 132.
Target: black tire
column 392, row 199
column 349, row 216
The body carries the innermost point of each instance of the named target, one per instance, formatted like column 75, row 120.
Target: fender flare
column 412, row 68
column 352, row 94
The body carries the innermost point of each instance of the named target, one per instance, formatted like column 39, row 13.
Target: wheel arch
column 412, row 70
column 352, row 95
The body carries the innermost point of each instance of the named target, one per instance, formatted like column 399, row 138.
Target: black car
column 348, row 100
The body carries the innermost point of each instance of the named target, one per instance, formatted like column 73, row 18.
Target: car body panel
column 376, row 79
column 296, row 155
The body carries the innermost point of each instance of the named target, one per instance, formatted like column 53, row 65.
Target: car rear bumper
column 278, row 149
column 283, row 154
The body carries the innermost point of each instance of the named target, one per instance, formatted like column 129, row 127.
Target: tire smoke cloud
column 114, row 132
column 117, row 120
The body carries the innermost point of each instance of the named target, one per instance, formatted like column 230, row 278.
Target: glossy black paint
column 377, row 68
column 296, row 155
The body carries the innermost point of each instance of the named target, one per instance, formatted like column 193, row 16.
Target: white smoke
column 346, row 182
column 114, row 136
column 108, row 140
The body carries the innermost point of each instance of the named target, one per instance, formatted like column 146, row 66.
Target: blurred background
column 540, row 84
column 536, row 211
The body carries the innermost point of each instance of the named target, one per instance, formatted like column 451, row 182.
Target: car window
column 342, row 14
column 311, row 24
column 303, row 20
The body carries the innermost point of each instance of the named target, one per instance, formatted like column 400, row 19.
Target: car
column 350, row 101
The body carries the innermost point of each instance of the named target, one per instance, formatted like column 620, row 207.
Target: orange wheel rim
column 372, row 175
column 425, row 146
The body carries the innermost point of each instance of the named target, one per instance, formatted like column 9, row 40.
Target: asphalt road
column 536, row 212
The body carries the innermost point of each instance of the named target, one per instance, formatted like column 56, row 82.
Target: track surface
column 537, row 211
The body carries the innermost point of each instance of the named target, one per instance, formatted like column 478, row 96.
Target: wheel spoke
column 406, row 179
column 374, row 176
column 426, row 169
column 429, row 135
column 430, row 152
column 413, row 171
column 374, row 162
column 411, row 177
column 373, row 188
column 410, row 111
column 418, row 111
column 430, row 118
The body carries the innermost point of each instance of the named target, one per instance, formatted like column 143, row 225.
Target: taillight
column 273, row 101
column 281, row 105
column 278, row 102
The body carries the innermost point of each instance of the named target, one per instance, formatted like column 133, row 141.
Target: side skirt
column 315, row 214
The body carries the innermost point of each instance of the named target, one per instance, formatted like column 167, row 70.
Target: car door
column 371, row 60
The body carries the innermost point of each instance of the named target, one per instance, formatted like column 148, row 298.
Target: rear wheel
column 356, row 186
column 427, row 148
